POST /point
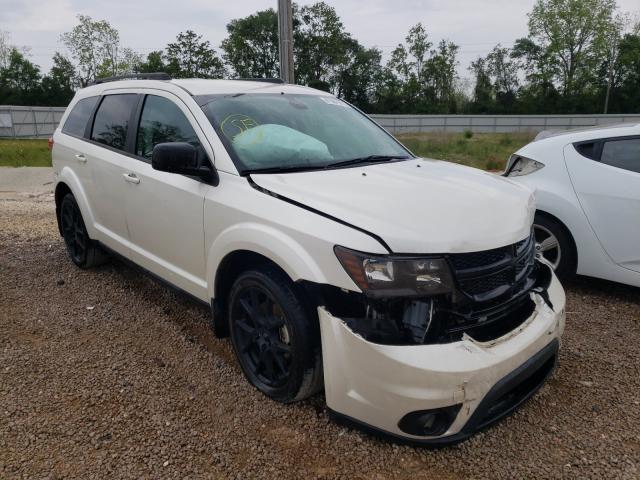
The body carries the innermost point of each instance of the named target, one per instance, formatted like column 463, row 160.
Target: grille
column 466, row 261
column 489, row 283
column 486, row 275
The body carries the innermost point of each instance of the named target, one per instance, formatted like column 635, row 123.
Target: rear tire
column 83, row 251
column 275, row 336
column 555, row 244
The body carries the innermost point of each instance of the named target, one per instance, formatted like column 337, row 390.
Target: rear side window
column 77, row 120
column 623, row 154
column 112, row 120
column 162, row 121
column 589, row 150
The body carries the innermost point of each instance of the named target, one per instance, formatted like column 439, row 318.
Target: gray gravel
column 25, row 181
column 105, row 374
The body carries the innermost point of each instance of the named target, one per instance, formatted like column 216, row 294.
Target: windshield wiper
column 303, row 167
column 368, row 159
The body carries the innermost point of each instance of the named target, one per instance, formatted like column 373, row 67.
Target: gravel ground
column 106, row 374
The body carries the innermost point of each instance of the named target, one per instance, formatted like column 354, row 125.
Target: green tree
column 154, row 63
column 539, row 93
column 94, row 46
column 422, row 79
column 191, row 57
column 573, row 35
column 497, row 81
column 59, row 84
column 20, row 81
column 407, row 61
column 418, row 45
column 439, row 76
column 320, row 44
column 625, row 85
column 359, row 75
column 125, row 62
column 251, row 49
column 483, row 92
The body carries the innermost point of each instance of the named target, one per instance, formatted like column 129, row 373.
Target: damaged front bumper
column 475, row 383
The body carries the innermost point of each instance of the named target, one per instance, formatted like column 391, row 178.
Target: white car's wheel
column 547, row 245
column 554, row 243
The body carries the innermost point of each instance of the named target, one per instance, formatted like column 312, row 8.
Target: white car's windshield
column 289, row 132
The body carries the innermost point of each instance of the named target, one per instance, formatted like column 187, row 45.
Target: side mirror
column 182, row 158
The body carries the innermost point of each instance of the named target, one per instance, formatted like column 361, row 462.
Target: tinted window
column 588, row 150
column 162, row 121
column 622, row 154
column 112, row 120
column 79, row 116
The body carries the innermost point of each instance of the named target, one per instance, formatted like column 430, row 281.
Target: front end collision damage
column 377, row 385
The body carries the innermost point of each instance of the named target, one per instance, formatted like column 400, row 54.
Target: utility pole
column 285, row 37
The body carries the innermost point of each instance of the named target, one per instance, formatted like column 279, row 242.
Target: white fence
column 30, row 122
column 495, row 123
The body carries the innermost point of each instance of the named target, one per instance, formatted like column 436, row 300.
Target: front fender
column 282, row 249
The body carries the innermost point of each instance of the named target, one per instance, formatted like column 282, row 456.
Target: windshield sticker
column 333, row 101
column 236, row 123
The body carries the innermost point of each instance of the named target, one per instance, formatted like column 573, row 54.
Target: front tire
column 275, row 335
column 83, row 251
column 554, row 243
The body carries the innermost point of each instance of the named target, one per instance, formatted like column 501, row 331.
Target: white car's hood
column 416, row 206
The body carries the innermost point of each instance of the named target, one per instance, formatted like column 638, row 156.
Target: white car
column 587, row 185
column 407, row 288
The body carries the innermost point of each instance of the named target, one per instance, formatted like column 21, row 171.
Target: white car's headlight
column 396, row 276
column 518, row 166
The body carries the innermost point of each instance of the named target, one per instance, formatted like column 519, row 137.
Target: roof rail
column 266, row 80
column 133, row 76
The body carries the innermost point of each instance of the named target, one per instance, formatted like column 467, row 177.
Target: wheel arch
column 62, row 189
column 229, row 269
column 250, row 244
column 68, row 182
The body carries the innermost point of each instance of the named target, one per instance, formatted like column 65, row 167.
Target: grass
column 24, row 153
column 488, row 151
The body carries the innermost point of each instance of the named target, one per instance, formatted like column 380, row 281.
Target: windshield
column 293, row 132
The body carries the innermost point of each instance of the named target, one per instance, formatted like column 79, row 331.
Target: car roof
column 198, row 86
column 591, row 133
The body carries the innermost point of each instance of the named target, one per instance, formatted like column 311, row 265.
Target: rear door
column 606, row 177
column 72, row 151
column 165, row 210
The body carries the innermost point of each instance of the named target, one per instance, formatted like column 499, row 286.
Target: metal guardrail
column 30, row 122
column 496, row 123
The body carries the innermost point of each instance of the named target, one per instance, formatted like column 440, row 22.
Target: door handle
column 81, row 158
column 131, row 178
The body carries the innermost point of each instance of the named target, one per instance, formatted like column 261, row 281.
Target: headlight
column 518, row 166
column 396, row 276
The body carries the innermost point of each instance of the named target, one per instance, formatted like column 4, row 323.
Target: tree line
column 579, row 56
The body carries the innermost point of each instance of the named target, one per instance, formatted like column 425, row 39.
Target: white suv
column 334, row 258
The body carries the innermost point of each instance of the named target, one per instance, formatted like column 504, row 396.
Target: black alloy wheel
column 262, row 336
column 73, row 230
column 275, row 338
column 82, row 250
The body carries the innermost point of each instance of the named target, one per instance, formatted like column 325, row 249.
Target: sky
column 146, row 25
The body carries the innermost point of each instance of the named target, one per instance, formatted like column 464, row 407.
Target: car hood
column 417, row 205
